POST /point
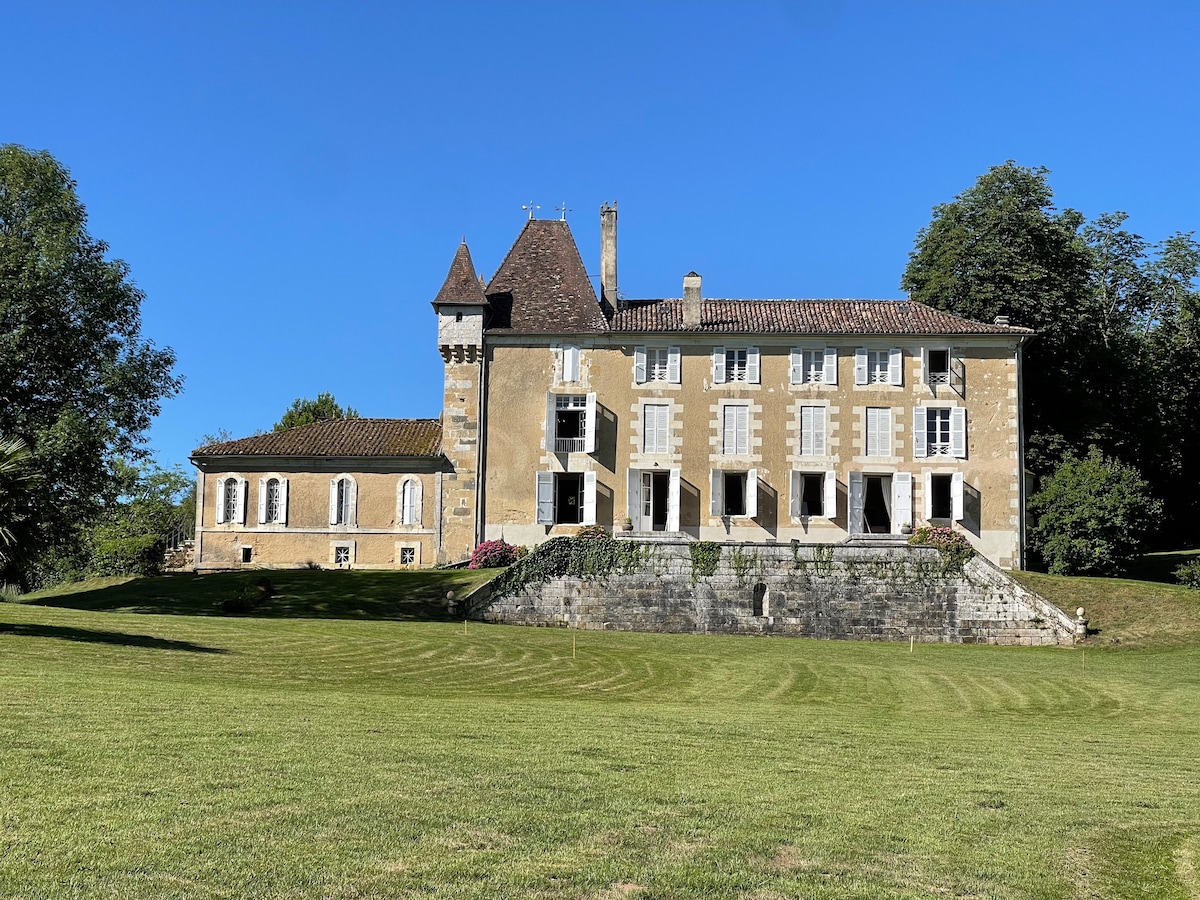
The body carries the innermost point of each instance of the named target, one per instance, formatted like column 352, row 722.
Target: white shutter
column 818, row 430
column 544, row 491
column 958, row 431
column 718, row 365
column 673, row 500
column 920, row 449
column 925, row 364
column 570, row 363
column 240, row 515
column 633, row 496
column 895, row 366
column 796, row 366
column 221, row 500
column 956, row 496
column 752, row 368
column 418, row 500
column 729, row 439
column 901, row 500
column 662, row 429
column 855, row 518
column 352, row 502
column 743, row 429
column 589, row 499
column 831, row 365
column 283, row 494
column 673, row 365
column 860, row 366
column 333, row 504
column 639, row 365
column 829, row 501
column 928, row 491
column 795, row 482
column 262, row 500
column 806, row 426
column 549, row 444
column 589, row 424
column 752, row 493
column 717, row 493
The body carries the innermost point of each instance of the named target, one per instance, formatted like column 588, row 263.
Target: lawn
column 313, row 752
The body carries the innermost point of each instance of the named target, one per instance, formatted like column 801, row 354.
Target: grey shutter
column 831, row 365
column 958, row 432
column 544, row 492
column 796, row 366
column 752, row 367
column 925, row 373
column 860, row 366
column 633, row 496
column 673, row 500
column 549, row 443
column 958, row 375
column 920, row 450
column 796, row 481
column 717, row 492
column 854, row 522
column 718, row 365
column 673, row 365
column 639, row 365
column 895, row 366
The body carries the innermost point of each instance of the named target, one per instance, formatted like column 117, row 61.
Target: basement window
column 247, row 554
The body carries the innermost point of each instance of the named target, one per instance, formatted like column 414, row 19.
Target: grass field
column 150, row 748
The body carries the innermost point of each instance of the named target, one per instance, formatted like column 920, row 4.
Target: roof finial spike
column 531, row 207
column 564, row 209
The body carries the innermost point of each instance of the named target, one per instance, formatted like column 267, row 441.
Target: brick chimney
column 691, row 300
column 608, row 254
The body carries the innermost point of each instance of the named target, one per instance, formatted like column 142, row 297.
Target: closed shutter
column 352, row 502
column 958, row 432
column 829, row 501
column 796, row 366
column 589, row 425
column 570, row 363
column 544, row 488
column 860, row 366
column 333, row 504
column 283, row 500
column 956, row 496
column 673, row 500
column 221, row 500
column 718, row 365
column 240, row 515
column 639, row 365
column 920, row 449
column 795, row 483
column 673, row 365
column 927, row 489
column 818, row 430
column 589, row 499
column 831, row 365
column 752, row 493
column 752, row 368
column 262, row 501
column 549, row 442
column 717, row 492
column 895, row 366
column 855, row 517
column 901, row 500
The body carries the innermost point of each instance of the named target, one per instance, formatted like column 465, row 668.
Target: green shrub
column 955, row 549
column 1189, row 574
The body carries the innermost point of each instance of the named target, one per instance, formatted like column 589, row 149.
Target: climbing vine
column 741, row 562
column 705, row 556
column 590, row 557
column 822, row 558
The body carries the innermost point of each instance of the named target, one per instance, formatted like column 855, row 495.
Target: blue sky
column 289, row 181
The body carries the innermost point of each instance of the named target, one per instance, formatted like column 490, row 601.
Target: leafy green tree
column 79, row 383
column 306, row 412
column 130, row 537
column 1092, row 516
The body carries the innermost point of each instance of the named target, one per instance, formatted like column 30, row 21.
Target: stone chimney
column 691, row 300
column 608, row 254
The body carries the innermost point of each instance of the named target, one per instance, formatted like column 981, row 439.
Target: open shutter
column 830, row 365
column 718, row 365
column 956, row 496
column 901, row 500
column 570, row 363
column 925, row 365
column 589, row 499
column 927, row 490
column 283, row 486
column 958, row 375
column 221, row 500
column 920, row 449
column 796, row 366
column 352, row 502
column 795, row 481
column 752, row 369
column 895, row 366
column 860, row 366
column 549, row 443
column 262, row 500
column 717, row 492
column 673, row 365
column 633, row 496
column 639, row 365
column 855, row 517
column 673, row 500
column 545, row 498
column 589, row 424
column 958, row 432
column 818, row 430
column 242, row 487
column 829, row 501
column 333, row 504
column 752, row 493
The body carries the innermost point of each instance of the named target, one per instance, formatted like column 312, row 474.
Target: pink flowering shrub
column 956, row 550
column 494, row 555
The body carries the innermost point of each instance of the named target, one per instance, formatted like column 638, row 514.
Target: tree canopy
column 78, row 382
column 306, row 412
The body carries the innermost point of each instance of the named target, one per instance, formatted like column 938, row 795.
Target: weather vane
column 529, row 206
column 564, row 209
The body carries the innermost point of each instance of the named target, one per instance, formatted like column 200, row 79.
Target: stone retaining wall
column 843, row 591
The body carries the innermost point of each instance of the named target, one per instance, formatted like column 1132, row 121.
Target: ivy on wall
column 590, row 557
column 705, row 556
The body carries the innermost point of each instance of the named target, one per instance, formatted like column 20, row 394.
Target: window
column 814, row 494
column 735, row 430
column 410, row 502
column 939, row 431
column 734, row 493
column 341, row 555
column 879, row 504
column 408, row 556
column 814, row 366
column 566, row 498
column 937, row 367
column 570, row 363
column 812, row 431
column 652, row 499
column 944, row 496
column 272, row 500
column 656, row 429
column 879, row 431
column 659, row 364
column 571, row 423
column 735, row 365
column 343, row 500
column 879, row 366
column 247, row 554
column 231, row 500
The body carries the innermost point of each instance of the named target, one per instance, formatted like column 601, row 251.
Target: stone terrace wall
column 839, row 591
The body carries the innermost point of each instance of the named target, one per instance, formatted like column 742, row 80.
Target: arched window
column 272, row 500
column 343, row 500
column 410, row 502
column 231, row 500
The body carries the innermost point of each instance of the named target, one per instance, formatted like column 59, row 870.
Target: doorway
column 655, row 491
column 877, row 504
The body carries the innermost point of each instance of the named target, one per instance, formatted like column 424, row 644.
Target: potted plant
column 906, row 527
column 627, row 525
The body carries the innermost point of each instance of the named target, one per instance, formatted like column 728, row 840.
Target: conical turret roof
column 462, row 284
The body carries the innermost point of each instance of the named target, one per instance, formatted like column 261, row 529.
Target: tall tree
column 305, row 412
column 78, row 383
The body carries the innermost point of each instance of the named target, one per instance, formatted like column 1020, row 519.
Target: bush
column 1091, row 516
column 1189, row 574
column 250, row 596
column 493, row 555
column 592, row 531
column 956, row 550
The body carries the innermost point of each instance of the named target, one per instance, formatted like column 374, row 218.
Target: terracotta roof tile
column 461, row 284
column 340, row 437
column 801, row 317
column 542, row 286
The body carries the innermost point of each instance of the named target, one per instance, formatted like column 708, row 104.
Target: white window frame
column 343, row 507
column 660, row 365
column 828, row 494
column 656, row 428
column 735, row 429
column 955, row 446
column 546, row 498
column 409, row 497
column 231, row 487
column 584, row 403
column 813, row 430
column 881, row 428
column 717, row 492
column 813, row 366
column 725, row 371
column 957, row 489
column 264, row 510
column 874, row 366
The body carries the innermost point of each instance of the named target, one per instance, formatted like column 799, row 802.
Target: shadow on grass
column 88, row 635
column 298, row 593
column 1160, row 567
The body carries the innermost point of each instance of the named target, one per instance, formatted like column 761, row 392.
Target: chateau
column 695, row 418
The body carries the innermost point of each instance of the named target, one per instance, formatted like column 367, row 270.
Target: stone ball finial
column 1079, row 612
column 450, row 597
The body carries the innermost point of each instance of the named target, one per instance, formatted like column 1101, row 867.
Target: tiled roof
column 461, row 284
column 340, row 437
column 542, row 286
column 801, row 317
